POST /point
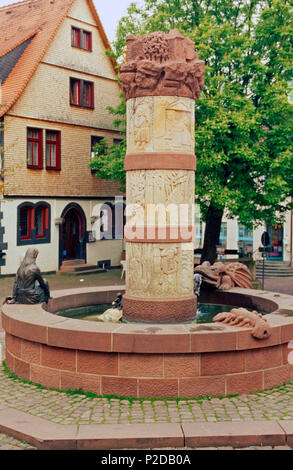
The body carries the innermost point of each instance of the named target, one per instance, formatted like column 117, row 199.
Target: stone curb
column 46, row 435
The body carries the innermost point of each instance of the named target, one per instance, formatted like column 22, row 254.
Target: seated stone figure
column 29, row 286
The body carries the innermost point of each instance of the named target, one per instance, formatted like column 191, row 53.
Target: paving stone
column 273, row 405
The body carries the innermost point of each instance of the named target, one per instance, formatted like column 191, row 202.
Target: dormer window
column 81, row 39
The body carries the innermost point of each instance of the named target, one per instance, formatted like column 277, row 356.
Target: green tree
column 243, row 129
column 108, row 161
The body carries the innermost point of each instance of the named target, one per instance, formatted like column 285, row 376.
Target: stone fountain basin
column 148, row 360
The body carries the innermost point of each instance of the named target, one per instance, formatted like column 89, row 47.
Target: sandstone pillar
column 161, row 78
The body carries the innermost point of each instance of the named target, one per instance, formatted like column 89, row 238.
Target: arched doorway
column 72, row 234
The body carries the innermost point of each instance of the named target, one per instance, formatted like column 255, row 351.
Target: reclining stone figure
column 224, row 276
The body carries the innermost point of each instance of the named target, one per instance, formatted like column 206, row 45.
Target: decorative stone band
column 152, row 234
column 159, row 311
column 160, row 161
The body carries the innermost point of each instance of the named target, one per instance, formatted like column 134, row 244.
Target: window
column 245, row 233
column 245, row 240
column 75, row 37
column 117, row 141
column 112, row 221
column 107, row 222
column 33, row 223
column 94, row 141
column 25, row 222
column 34, row 148
column 86, row 40
column 41, row 221
column 81, row 38
column 88, row 94
column 223, row 234
column 75, row 91
column 81, row 93
column 198, row 231
column 53, row 150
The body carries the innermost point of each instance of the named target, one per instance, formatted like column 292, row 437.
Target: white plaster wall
column 48, row 255
column 104, row 250
column 232, row 234
column 287, row 237
column 49, row 252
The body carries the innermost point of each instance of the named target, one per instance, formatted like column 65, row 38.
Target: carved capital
column 159, row 64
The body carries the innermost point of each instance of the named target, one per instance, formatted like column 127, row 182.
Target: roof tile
column 23, row 20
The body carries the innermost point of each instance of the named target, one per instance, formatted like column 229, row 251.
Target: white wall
column 49, row 252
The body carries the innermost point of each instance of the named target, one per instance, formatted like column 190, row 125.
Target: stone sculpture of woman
column 29, row 286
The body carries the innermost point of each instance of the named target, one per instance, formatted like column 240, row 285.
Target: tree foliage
column 243, row 133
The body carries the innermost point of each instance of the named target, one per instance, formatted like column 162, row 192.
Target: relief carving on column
column 159, row 270
column 174, row 121
column 160, row 124
column 147, row 192
column 139, row 119
column 159, row 64
column 160, row 186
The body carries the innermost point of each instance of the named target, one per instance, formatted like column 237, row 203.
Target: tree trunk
column 212, row 234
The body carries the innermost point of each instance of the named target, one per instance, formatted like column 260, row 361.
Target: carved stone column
column 161, row 78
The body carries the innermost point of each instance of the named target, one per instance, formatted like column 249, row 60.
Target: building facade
column 56, row 85
column 236, row 237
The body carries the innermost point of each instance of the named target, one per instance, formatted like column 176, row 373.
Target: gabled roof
column 30, row 26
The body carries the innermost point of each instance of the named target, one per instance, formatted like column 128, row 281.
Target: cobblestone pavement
column 65, row 408
column 59, row 407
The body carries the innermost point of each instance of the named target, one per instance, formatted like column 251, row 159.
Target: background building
column 56, row 85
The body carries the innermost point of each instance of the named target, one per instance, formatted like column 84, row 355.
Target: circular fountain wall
column 147, row 360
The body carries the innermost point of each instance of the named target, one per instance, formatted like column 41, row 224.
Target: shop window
column 223, row 235
column 245, row 237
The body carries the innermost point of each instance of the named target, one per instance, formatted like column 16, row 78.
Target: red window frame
column 44, row 222
column 75, row 37
column 53, row 139
column 83, row 96
column 73, row 100
column 86, row 40
column 29, row 211
column 31, row 141
column 81, row 39
column 88, row 94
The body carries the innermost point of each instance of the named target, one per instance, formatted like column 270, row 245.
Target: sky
column 110, row 11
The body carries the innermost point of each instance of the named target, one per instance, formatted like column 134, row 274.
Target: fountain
column 159, row 353
column 161, row 78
